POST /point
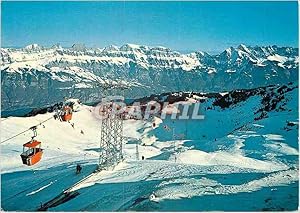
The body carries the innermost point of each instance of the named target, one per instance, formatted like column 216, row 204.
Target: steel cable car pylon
column 111, row 140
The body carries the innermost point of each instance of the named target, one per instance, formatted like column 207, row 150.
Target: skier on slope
column 78, row 169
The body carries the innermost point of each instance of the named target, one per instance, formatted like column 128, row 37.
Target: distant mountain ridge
column 36, row 76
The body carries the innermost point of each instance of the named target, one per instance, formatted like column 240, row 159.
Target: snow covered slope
column 242, row 156
column 36, row 76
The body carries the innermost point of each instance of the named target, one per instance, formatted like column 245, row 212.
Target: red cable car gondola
column 32, row 151
column 66, row 113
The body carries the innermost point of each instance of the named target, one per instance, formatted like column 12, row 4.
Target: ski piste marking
column 130, row 203
column 67, row 194
column 69, row 167
column 27, row 189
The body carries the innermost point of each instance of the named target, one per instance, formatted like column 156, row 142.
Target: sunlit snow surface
column 228, row 161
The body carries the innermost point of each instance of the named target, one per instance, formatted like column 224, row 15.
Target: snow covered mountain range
column 36, row 76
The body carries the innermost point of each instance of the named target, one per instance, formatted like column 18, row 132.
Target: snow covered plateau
column 242, row 157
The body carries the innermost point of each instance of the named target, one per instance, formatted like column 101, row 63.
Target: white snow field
column 228, row 161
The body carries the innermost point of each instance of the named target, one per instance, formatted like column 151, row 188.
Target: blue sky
column 183, row 26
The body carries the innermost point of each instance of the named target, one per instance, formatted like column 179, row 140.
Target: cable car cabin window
column 28, row 151
column 67, row 110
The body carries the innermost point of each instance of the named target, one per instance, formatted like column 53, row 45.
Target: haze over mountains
column 35, row 76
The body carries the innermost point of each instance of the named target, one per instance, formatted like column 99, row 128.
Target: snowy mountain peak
column 129, row 47
column 161, row 48
column 229, row 51
column 78, row 47
column 57, row 46
column 33, row 47
column 110, row 48
column 244, row 48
